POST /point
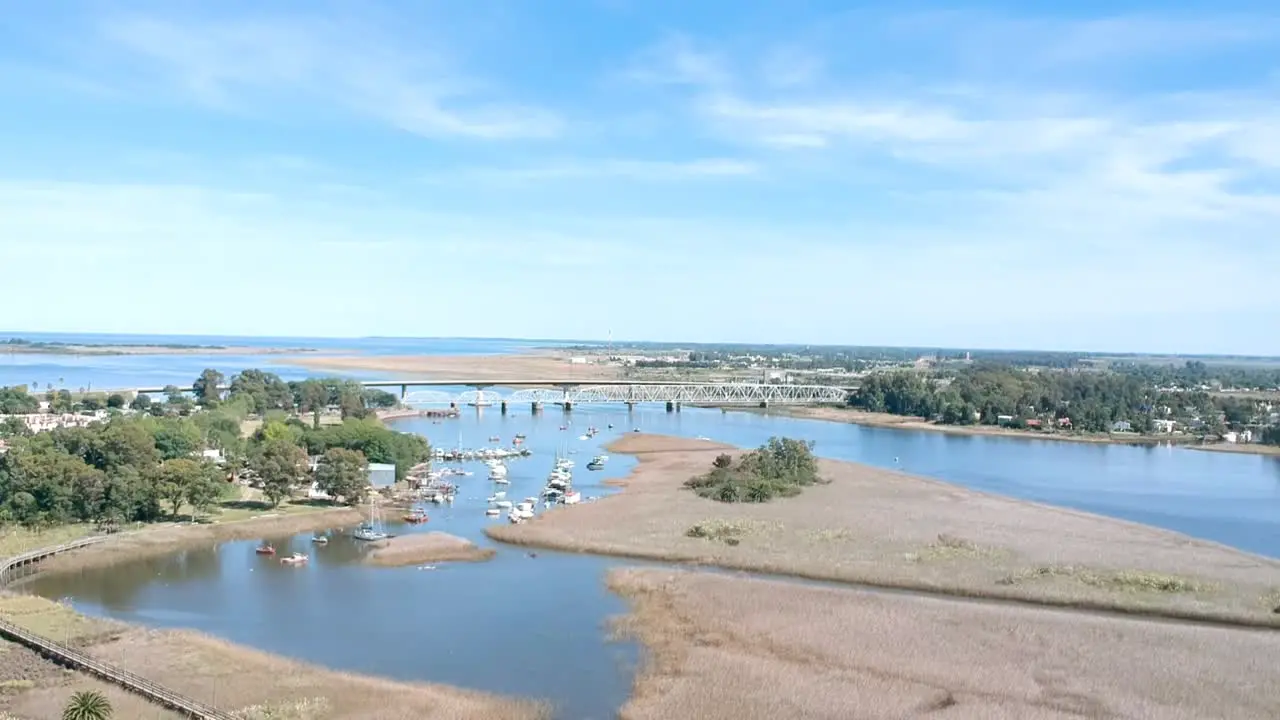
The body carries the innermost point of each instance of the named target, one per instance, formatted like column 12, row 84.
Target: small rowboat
column 416, row 517
column 266, row 550
column 294, row 559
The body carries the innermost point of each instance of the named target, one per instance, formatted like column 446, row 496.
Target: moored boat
column 416, row 516
column 320, row 540
column 294, row 559
column 265, row 550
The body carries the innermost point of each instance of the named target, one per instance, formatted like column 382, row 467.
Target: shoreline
column 207, row 668
column 72, row 350
column 889, row 421
column 884, row 529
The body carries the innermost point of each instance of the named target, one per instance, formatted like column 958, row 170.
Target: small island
column 23, row 346
column 430, row 547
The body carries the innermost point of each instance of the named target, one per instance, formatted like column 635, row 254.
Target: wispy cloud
column 639, row 170
column 242, row 64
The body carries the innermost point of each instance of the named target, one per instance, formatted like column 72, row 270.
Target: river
column 538, row 626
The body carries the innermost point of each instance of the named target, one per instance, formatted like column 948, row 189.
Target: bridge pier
column 764, row 404
column 535, row 407
column 631, row 407
column 568, row 406
column 504, row 407
column 404, row 390
column 453, row 406
column 671, row 407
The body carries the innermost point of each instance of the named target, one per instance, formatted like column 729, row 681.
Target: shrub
column 779, row 468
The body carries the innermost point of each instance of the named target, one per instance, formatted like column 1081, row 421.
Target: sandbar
column 545, row 365
column 250, row 683
column 889, row 529
column 425, row 548
column 731, row 648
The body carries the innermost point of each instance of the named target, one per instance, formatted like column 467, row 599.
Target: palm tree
column 87, row 705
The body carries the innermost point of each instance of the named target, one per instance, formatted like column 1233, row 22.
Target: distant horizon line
column 678, row 344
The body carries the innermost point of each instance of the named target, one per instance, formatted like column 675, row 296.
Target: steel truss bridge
column 630, row 394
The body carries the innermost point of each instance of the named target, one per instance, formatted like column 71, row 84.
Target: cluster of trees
column 779, row 468
column 1195, row 373
column 1093, row 401
column 143, row 467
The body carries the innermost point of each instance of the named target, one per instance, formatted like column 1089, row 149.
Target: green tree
column 88, row 705
column 281, row 465
column 207, row 387
column 115, row 401
column 141, row 403
column 176, row 479
column 204, row 490
column 343, row 474
column 313, row 397
column 264, row 391
column 177, row 438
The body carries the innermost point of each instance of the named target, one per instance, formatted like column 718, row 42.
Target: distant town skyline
column 1097, row 176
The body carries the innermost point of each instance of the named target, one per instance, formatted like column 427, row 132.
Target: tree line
column 143, row 467
column 1087, row 401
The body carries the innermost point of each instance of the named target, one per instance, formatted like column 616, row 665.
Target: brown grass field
column 728, row 648
column 890, row 529
column 430, row 547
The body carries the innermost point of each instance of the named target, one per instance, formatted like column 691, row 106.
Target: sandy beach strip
column 731, row 648
column 890, row 529
column 541, row 365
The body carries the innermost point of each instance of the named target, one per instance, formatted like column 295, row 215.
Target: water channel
column 537, row 627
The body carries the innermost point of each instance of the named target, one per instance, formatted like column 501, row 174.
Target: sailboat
column 371, row 530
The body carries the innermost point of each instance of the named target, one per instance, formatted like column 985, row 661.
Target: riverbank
column 537, row 365
column 889, row 529
column 1240, row 448
column 254, row 684
column 431, row 547
column 910, row 422
column 731, row 648
column 165, row 538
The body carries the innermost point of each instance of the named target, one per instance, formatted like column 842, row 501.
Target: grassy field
column 17, row 540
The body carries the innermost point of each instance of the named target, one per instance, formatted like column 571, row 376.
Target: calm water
column 124, row 371
column 535, row 627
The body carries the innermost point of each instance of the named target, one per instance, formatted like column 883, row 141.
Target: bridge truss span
column 687, row 394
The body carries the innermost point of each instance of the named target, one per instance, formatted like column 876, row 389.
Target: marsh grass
column 729, row 532
column 1124, row 580
column 951, row 547
column 52, row 619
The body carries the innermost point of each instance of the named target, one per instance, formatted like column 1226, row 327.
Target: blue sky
column 1069, row 175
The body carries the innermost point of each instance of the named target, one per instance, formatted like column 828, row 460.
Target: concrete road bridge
column 567, row 393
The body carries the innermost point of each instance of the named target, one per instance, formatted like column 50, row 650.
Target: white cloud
column 244, row 65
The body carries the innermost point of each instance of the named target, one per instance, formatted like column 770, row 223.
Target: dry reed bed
column 257, row 684
column 890, row 529
column 740, row 649
column 425, row 548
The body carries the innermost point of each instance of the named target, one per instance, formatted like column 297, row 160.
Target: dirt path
column 890, row 529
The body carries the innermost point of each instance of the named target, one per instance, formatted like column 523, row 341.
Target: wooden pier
column 75, row 659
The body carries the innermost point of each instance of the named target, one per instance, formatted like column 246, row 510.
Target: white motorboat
column 496, row 496
column 503, row 504
column 493, row 512
column 572, row 498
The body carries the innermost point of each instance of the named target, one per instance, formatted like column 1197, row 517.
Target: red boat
column 266, row 550
column 415, row 517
